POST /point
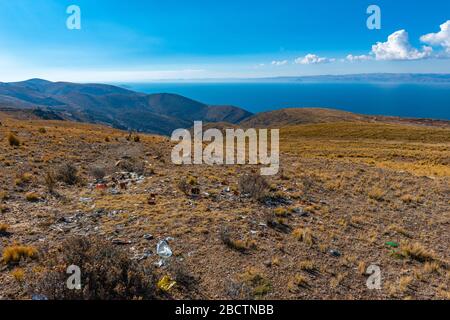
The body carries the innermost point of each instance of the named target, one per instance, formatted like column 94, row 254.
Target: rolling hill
column 113, row 106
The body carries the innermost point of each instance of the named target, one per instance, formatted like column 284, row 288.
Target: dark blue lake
column 405, row 100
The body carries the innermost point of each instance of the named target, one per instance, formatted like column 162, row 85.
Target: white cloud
column 441, row 38
column 362, row 57
column 397, row 47
column 313, row 59
column 279, row 63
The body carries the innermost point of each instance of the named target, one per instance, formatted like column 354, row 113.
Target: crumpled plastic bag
column 166, row 283
column 163, row 249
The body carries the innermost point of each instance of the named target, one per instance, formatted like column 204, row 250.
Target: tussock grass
column 304, row 235
column 14, row 254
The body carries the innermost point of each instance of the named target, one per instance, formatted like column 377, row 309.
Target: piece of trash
column 163, row 249
column 85, row 200
column 166, row 283
column 392, row 244
column 148, row 236
column 119, row 241
column 39, row 297
column 145, row 255
column 335, row 253
column 101, row 186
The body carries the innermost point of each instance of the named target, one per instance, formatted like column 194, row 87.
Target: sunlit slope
column 418, row 149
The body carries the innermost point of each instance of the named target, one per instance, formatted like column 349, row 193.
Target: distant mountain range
column 370, row 77
column 111, row 105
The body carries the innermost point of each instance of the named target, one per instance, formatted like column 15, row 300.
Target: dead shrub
column 254, row 185
column 68, row 174
column 184, row 278
column 13, row 140
column 132, row 165
column 416, row 251
column 106, row 273
column 98, row 172
column 50, row 181
column 188, row 185
column 14, row 254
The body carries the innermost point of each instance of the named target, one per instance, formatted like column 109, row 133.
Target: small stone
column 335, row 253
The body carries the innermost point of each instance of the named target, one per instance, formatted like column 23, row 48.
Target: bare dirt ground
column 343, row 201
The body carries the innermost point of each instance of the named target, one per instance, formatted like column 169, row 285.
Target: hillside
column 299, row 116
column 114, row 106
column 296, row 116
column 348, row 195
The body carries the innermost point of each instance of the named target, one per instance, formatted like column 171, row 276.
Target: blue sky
column 147, row 40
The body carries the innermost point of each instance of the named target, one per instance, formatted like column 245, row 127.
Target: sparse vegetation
column 68, row 174
column 253, row 278
column 238, row 245
column 50, row 181
column 98, row 172
column 32, row 197
column 14, row 254
column 304, row 234
column 108, row 273
column 313, row 235
column 13, row 140
column 3, row 228
column 254, row 185
column 416, row 251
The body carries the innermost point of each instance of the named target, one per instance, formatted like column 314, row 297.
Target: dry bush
column 184, row 278
column 13, row 140
column 376, row 193
column 3, row 228
column 18, row 274
column 416, row 251
column 304, row 235
column 107, row 273
column 297, row 282
column 237, row 245
column 14, row 254
column 98, row 172
column 132, row 165
column 187, row 185
column 50, row 181
column 254, row 185
column 68, row 174
column 254, row 279
column 32, row 197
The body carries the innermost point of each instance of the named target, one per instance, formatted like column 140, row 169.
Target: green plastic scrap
column 392, row 244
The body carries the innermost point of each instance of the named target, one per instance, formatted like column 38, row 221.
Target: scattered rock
column 335, row 253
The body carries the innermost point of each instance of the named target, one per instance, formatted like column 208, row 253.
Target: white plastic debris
column 163, row 249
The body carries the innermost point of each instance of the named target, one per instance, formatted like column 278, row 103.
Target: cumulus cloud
column 362, row 57
column 397, row 47
column 441, row 38
column 279, row 63
column 313, row 59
